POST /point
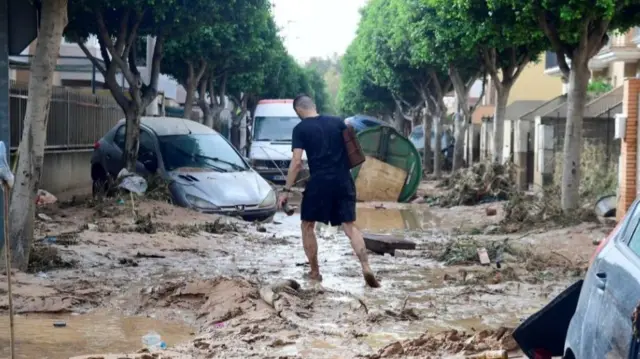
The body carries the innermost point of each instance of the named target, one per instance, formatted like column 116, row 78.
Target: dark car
column 204, row 171
column 599, row 322
column 363, row 122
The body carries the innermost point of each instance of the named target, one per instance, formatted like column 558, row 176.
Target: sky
column 317, row 28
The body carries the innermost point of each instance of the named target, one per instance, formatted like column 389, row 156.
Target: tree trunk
column 34, row 136
column 426, row 126
column 398, row 121
column 576, row 100
column 191, row 90
column 459, row 137
column 498, row 123
column 132, row 137
column 437, row 149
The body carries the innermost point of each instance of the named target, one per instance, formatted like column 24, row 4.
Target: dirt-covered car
column 204, row 171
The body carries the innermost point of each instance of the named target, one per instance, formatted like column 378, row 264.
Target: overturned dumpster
column 392, row 170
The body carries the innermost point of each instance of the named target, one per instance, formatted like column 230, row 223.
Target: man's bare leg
column 357, row 242
column 310, row 245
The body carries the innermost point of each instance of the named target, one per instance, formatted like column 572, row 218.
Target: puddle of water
column 383, row 220
column 98, row 332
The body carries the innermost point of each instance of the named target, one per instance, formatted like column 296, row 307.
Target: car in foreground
column 204, row 171
column 596, row 317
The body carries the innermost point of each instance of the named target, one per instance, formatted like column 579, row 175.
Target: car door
column 146, row 151
column 617, row 276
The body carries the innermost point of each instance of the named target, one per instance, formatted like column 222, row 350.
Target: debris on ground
column 44, row 257
column 523, row 211
column 465, row 251
column 482, row 182
column 44, row 198
column 449, row 342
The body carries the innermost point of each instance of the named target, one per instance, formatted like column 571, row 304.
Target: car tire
column 101, row 183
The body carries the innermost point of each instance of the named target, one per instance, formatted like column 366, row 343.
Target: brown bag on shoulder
column 353, row 148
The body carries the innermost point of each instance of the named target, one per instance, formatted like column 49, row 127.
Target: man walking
column 330, row 194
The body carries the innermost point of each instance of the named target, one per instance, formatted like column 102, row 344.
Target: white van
column 270, row 154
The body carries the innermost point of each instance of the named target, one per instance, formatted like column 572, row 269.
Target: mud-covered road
column 195, row 279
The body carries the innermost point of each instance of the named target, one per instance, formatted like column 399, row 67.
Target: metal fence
column 76, row 119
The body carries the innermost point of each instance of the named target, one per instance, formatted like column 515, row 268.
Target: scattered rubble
column 449, row 342
column 482, row 182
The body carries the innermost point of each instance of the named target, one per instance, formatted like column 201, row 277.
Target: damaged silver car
column 204, row 171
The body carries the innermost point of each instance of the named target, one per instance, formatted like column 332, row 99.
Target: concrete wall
column 65, row 171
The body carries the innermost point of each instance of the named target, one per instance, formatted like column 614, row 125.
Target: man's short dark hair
column 304, row 102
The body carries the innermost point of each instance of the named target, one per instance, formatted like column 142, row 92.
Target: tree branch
column 92, row 58
column 489, row 57
column 133, row 36
column 121, row 41
column 103, row 33
column 201, row 71
column 150, row 91
column 552, row 34
column 521, row 66
column 482, row 93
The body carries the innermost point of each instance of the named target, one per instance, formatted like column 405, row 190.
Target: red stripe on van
column 274, row 101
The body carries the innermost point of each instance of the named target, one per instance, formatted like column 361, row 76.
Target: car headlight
column 200, row 203
column 269, row 200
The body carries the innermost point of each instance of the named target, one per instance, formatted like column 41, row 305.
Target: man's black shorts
column 329, row 200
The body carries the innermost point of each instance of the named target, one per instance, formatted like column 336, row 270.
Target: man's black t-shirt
column 322, row 139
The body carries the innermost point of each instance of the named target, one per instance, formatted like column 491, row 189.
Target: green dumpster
column 389, row 146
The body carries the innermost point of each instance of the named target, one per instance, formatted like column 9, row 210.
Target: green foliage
column 599, row 86
column 329, row 69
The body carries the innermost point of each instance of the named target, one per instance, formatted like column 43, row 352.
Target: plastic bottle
column 153, row 341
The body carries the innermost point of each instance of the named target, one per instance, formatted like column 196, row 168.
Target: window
column 119, row 137
column 274, row 128
column 205, row 151
column 146, row 140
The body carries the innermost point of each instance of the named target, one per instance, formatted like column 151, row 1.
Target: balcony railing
column 550, row 60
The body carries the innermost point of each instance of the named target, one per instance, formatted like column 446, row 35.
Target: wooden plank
column 379, row 181
column 381, row 244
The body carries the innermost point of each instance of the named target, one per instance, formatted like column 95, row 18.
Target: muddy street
column 199, row 281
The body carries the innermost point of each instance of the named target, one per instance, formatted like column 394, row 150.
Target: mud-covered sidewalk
column 199, row 281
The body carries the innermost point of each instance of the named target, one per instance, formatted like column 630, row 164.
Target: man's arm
column 294, row 168
column 297, row 146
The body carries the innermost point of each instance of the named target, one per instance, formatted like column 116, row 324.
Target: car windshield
column 274, row 128
column 208, row 151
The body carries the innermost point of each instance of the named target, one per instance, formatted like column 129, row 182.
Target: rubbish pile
column 452, row 342
column 482, row 182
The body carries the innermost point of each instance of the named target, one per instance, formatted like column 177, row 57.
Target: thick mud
column 113, row 275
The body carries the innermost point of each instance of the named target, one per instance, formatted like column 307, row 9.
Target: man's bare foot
column 371, row 279
column 313, row 276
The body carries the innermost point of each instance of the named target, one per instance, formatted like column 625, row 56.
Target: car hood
column 222, row 188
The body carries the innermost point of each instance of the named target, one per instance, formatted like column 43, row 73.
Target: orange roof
column 275, row 101
column 481, row 112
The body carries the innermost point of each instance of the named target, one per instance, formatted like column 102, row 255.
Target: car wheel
column 101, row 183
